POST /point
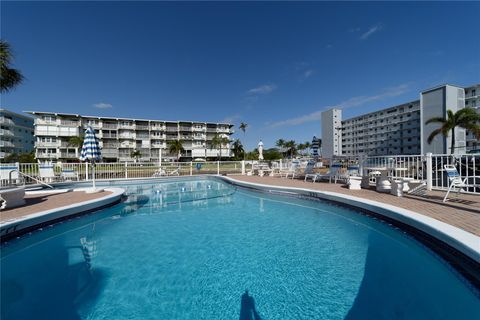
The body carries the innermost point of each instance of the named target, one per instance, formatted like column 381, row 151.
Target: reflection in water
column 247, row 309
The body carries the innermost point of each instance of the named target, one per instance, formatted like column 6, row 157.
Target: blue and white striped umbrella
column 90, row 149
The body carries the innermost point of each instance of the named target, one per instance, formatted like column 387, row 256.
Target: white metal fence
column 429, row 168
column 30, row 173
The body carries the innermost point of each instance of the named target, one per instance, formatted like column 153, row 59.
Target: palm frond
column 434, row 134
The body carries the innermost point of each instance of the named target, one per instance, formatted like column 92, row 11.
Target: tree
column 238, row 150
column 175, row 147
column 76, row 142
column 9, row 77
column 243, row 126
column 281, row 145
column 466, row 118
column 271, row 154
column 27, row 157
column 218, row 142
column 135, row 154
column 291, row 147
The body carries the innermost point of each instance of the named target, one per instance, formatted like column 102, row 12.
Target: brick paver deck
column 44, row 201
column 462, row 212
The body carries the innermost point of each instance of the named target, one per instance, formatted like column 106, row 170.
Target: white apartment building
column 118, row 137
column 331, row 133
column 394, row 130
column 401, row 129
column 16, row 133
column 472, row 100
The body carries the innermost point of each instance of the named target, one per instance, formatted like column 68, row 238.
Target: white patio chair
column 174, row 172
column 455, row 180
column 46, row 172
column 69, row 174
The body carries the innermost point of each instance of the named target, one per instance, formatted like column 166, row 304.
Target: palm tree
column 135, row 154
column 281, row 145
column 218, row 142
column 175, row 147
column 237, row 149
column 307, row 146
column 291, row 147
column 9, row 77
column 466, row 118
column 243, row 126
column 301, row 147
column 76, row 142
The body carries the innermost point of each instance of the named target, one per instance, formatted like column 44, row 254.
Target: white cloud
column 352, row 102
column 371, row 31
column 103, row 105
column 308, row 73
column 263, row 89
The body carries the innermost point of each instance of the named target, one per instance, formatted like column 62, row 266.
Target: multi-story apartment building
column 472, row 100
column 16, row 133
column 118, row 137
column 401, row 129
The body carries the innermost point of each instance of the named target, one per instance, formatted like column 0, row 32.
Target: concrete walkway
column 45, row 201
column 462, row 212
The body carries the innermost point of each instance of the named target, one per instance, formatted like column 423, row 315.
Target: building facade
column 401, row 129
column 331, row 133
column 16, row 133
column 119, row 137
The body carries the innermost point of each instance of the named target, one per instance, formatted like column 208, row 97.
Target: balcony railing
column 109, row 126
column 5, row 132
column 6, row 144
column 68, row 155
column 70, row 123
column 185, row 128
column 47, row 144
column 171, row 129
column 109, row 135
column 142, row 127
column 44, row 155
column 6, row 121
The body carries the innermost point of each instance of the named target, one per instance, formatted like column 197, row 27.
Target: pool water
column 191, row 249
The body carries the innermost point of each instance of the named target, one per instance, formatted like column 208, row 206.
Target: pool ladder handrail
column 26, row 175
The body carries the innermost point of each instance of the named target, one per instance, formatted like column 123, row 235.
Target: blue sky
column 275, row 66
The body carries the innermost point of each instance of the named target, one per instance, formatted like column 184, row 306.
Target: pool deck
column 46, row 201
column 462, row 212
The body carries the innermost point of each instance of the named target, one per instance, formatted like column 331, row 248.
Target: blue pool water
column 191, row 249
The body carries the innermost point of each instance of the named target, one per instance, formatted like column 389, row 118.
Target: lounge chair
column 332, row 173
column 69, row 174
column 291, row 171
column 159, row 173
column 174, row 172
column 46, row 172
column 455, row 180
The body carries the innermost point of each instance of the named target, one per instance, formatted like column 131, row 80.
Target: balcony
column 142, row 136
column 109, row 126
column 7, row 144
column 49, row 144
column 6, row 121
column 109, row 135
column 45, row 155
column 70, row 123
column 212, row 130
column 68, row 155
column 110, row 145
column 199, row 137
column 156, row 127
column 159, row 137
column 188, row 129
column 142, row 127
column 186, row 137
column 5, row 132
column 109, row 153
column 126, row 126
column 198, row 129
column 171, row 129
column 127, row 145
column 126, row 136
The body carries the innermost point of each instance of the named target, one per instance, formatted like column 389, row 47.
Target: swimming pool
column 190, row 249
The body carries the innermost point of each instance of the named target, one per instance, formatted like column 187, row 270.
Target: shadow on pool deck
column 247, row 308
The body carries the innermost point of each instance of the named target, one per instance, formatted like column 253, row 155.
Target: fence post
column 218, row 167
column 191, row 168
column 86, row 170
column 281, row 166
column 126, row 170
column 429, row 171
column 243, row 167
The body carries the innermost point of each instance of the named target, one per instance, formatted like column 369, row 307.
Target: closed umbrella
column 91, row 151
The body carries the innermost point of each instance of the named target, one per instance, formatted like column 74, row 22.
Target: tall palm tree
column 135, row 154
column 243, row 126
column 466, row 118
column 175, row 147
column 237, row 149
column 9, row 77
